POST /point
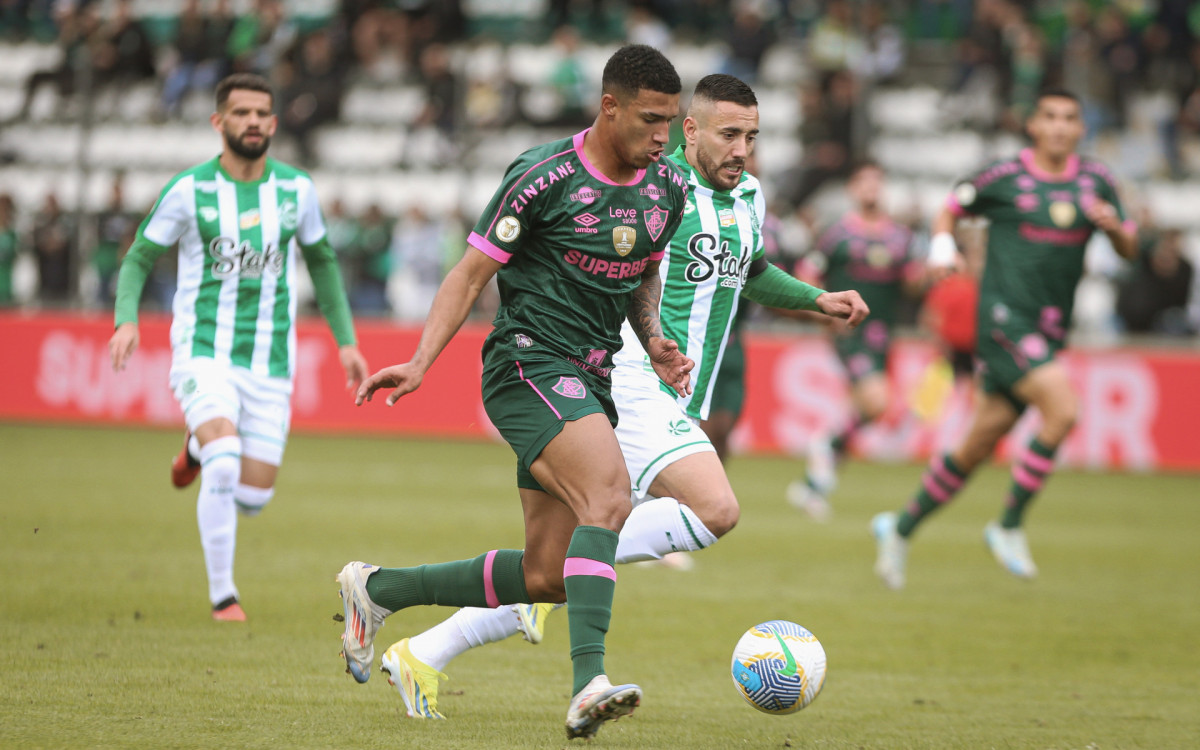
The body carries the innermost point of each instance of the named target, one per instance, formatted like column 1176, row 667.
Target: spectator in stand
column 113, row 227
column 77, row 26
column 312, row 92
column 343, row 230
column 123, row 54
column 199, row 53
column 260, row 38
column 370, row 263
column 883, row 53
column 54, row 248
column 417, row 263
column 826, row 133
column 1156, row 297
column 748, row 38
column 642, row 26
column 433, row 131
column 570, row 81
column 1026, row 76
column 9, row 244
column 1121, row 57
column 835, row 44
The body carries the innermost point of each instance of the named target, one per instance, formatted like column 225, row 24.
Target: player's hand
column 354, row 364
column 671, row 365
column 1102, row 214
column 847, row 305
column 404, row 378
column 123, row 344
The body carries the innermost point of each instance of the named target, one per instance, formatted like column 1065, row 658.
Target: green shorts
column 1006, row 353
column 864, row 351
column 729, row 388
column 529, row 399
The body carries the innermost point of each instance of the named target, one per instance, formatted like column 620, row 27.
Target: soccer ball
column 778, row 667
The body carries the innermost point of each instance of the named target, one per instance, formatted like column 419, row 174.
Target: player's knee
column 545, row 585
column 721, row 516
column 221, row 462
column 251, row 500
column 611, row 514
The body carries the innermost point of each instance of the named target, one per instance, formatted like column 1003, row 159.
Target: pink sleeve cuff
column 658, row 254
column 480, row 243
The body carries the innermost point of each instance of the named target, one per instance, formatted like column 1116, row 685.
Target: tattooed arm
column 669, row 363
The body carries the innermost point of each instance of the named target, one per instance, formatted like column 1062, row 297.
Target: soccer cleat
column 185, row 468
column 821, row 465
column 893, row 550
column 416, row 681
column 363, row 619
column 803, row 497
column 531, row 620
column 598, row 702
column 229, row 611
column 1010, row 549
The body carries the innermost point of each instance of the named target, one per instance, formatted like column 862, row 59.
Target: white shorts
column 260, row 407
column 652, row 428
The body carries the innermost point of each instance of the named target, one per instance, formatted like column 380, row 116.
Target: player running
column 869, row 251
column 1043, row 205
column 238, row 220
column 682, row 498
column 575, row 236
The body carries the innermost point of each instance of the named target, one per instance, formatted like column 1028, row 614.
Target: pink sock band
column 1038, row 463
column 935, row 490
column 1022, row 477
column 582, row 566
column 489, row 586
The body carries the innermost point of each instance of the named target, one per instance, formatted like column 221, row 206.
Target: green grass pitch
column 105, row 638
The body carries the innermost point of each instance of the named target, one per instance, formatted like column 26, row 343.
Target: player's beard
column 712, row 171
column 238, row 145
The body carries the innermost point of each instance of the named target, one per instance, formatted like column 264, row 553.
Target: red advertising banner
column 1138, row 412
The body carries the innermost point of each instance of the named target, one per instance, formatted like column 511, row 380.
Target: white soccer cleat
column 802, row 497
column 363, row 619
column 1010, row 549
column 821, row 465
column 893, row 550
column 416, row 681
column 531, row 620
column 598, row 702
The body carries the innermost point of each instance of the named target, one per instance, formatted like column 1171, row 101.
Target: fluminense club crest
column 569, row 387
column 656, row 221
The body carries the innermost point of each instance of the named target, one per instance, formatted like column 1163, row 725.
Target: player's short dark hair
column 637, row 66
column 719, row 87
column 1056, row 93
column 244, row 82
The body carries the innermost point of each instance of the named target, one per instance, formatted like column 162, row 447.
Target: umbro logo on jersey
column 587, row 219
column 209, row 213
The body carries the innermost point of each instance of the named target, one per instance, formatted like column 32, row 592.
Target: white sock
column 658, row 526
column 465, row 629
column 220, row 467
column 250, row 501
column 193, row 447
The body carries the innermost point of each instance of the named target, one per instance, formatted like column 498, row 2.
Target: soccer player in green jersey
column 871, row 252
column 574, row 236
column 682, row 499
column 238, row 220
column 1043, row 207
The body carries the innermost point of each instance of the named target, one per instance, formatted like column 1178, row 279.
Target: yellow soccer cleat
column 416, row 681
column 532, row 620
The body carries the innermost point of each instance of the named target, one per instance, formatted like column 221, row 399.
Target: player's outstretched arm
column 453, row 302
column 670, row 364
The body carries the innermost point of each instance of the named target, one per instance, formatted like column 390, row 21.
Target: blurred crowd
column 989, row 58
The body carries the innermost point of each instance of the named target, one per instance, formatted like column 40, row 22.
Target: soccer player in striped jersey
column 871, row 252
column 1044, row 205
column 238, row 220
column 681, row 496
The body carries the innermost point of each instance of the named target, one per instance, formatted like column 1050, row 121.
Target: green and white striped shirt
column 702, row 276
column 236, row 300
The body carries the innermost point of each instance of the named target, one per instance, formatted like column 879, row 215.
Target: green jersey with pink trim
column 1036, row 238
column 574, row 245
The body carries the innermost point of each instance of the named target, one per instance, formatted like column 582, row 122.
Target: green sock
column 590, row 581
column 489, row 580
column 1029, row 473
column 939, row 484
